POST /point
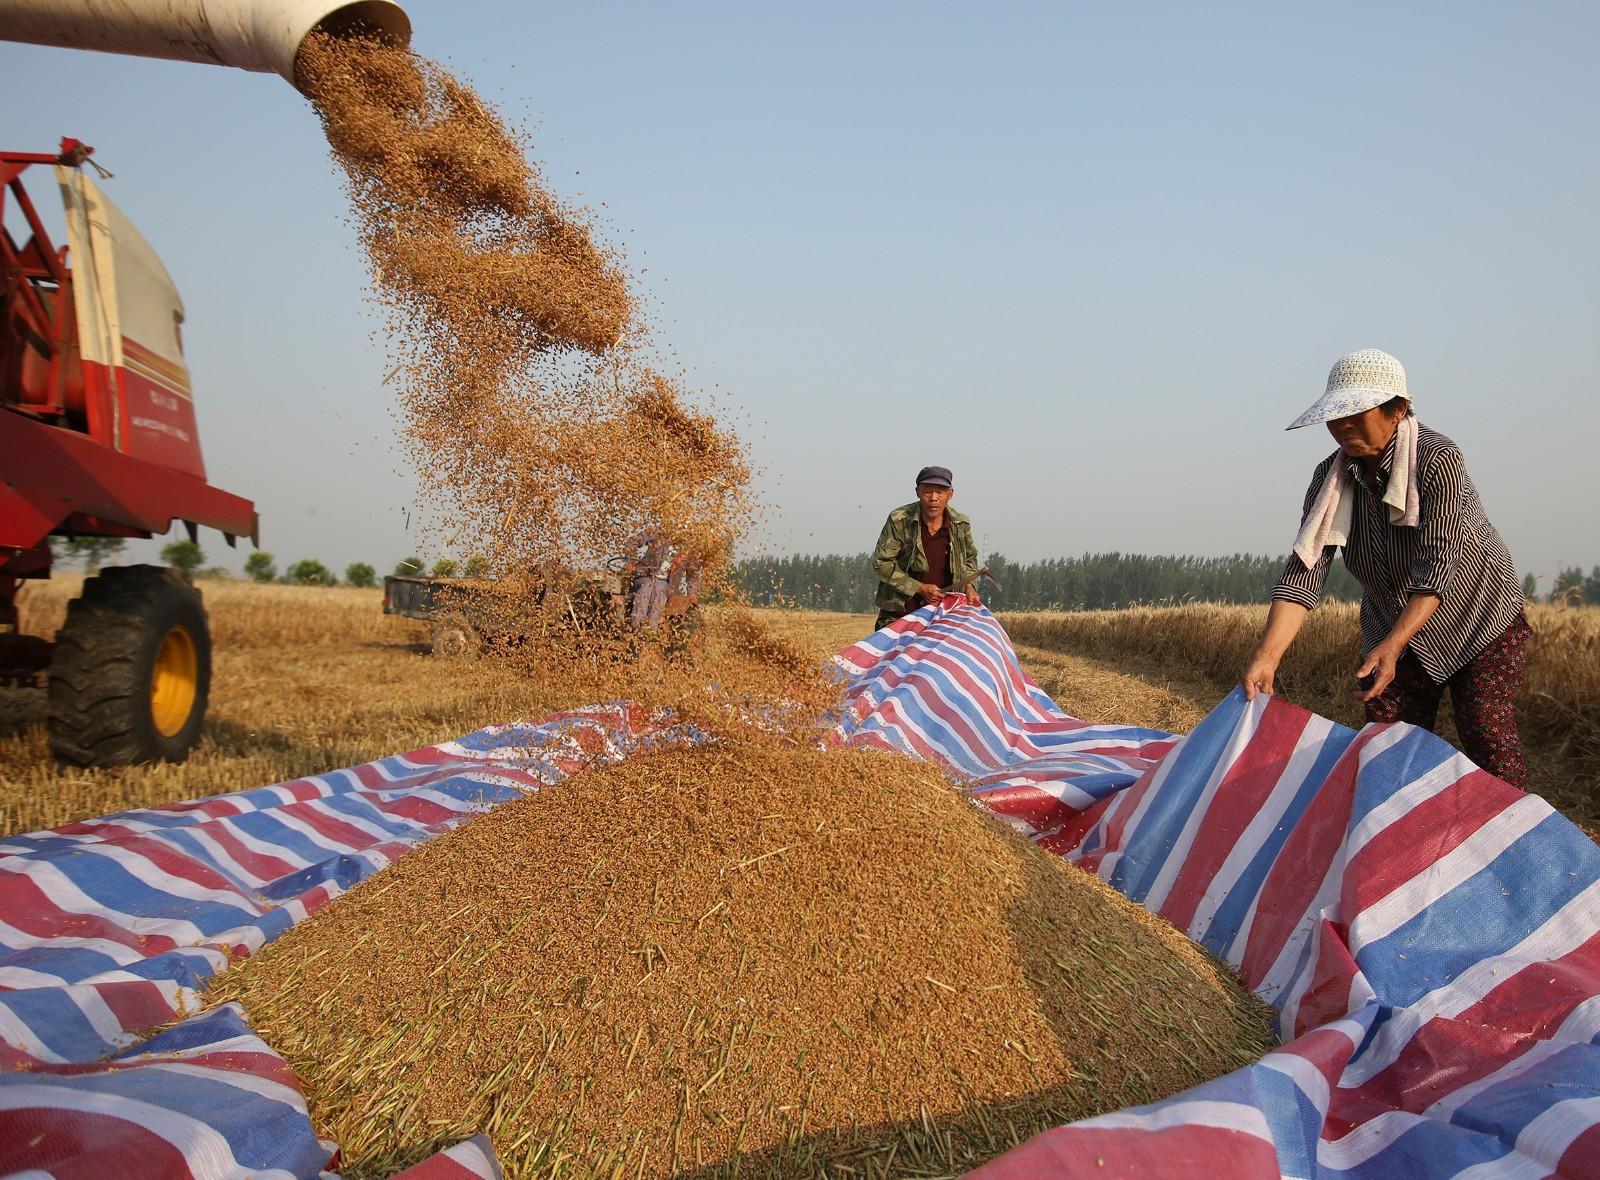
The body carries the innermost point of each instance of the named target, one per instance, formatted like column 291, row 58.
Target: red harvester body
column 97, row 424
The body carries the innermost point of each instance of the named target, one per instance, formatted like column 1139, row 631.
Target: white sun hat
column 1358, row 382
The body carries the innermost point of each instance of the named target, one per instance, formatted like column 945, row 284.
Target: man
column 925, row 550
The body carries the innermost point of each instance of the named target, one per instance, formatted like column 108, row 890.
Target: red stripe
column 332, row 828
column 262, row 866
column 1174, row 1153
column 78, row 1145
column 136, row 1005
column 1414, row 842
column 1518, row 1014
column 1328, row 995
column 1297, row 873
column 442, row 1167
column 169, row 861
column 26, row 906
column 1539, row 997
column 1581, row 1160
column 1040, row 810
column 1239, row 796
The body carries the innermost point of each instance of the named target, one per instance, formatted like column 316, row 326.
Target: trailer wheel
column 455, row 638
column 132, row 670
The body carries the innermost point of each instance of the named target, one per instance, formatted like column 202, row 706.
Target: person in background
column 924, row 551
column 652, row 565
column 1440, row 605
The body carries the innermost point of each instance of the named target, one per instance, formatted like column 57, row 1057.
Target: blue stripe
column 1485, row 915
column 1226, row 923
column 1148, row 845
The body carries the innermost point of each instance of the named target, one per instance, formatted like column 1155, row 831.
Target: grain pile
column 736, row 958
column 542, row 434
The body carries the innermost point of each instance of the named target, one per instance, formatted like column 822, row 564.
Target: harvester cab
column 98, row 439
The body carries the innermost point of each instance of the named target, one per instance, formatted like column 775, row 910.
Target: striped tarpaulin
column 1429, row 935
column 111, row 926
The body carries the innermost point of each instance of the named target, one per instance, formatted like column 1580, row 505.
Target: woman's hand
column 1283, row 624
column 1258, row 674
column 1376, row 672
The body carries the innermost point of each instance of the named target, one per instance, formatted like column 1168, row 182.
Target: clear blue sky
column 1093, row 258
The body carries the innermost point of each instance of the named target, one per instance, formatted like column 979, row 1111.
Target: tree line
column 260, row 565
column 1095, row 581
column 847, row 582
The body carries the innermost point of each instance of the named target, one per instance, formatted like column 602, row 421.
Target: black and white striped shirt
column 1453, row 552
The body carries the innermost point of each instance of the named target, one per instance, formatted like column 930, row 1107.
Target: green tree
column 1530, row 587
column 184, row 555
column 310, row 572
column 1591, row 587
column 93, row 552
column 477, row 566
column 445, row 567
column 359, row 573
column 1568, row 590
column 411, row 567
column 260, row 567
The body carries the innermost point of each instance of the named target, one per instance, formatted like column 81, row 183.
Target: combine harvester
column 97, row 424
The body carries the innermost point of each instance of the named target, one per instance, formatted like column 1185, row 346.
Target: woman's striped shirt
column 1453, row 552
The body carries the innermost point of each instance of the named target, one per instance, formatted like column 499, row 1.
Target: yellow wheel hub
column 174, row 682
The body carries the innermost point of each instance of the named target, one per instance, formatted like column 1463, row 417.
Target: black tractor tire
column 122, row 639
column 454, row 637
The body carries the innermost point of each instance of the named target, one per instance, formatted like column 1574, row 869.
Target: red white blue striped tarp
column 1429, row 935
column 111, row 926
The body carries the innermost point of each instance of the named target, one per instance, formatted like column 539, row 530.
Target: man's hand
column 1257, row 675
column 928, row 592
column 1376, row 672
column 972, row 597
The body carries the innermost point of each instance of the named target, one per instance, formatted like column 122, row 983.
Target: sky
column 1093, row 258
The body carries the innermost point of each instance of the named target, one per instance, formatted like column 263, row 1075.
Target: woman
column 1440, row 601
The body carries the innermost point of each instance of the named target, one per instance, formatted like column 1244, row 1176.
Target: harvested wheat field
column 1199, row 649
column 798, row 958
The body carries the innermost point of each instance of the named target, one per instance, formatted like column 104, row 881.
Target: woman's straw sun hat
column 1358, row 382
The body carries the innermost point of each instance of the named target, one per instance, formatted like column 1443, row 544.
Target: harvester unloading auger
column 97, row 423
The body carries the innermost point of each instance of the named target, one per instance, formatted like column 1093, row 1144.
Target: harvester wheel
column 455, row 638
column 131, row 670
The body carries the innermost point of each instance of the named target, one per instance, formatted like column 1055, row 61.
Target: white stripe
column 1540, row 1051
column 310, row 834
column 99, row 1016
column 1564, row 932
column 1177, row 856
column 139, row 866
column 1365, row 1140
column 1308, row 748
column 1409, row 797
column 18, row 1033
column 1406, row 901
column 262, row 846
column 1541, row 1144
column 261, row 1087
column 204, row 1148
column 1122, row 802
column 222, row 860
column 1227, row 1116
column 12, row 939
column 69, row 899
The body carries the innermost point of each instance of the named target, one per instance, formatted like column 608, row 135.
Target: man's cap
column 939, row 477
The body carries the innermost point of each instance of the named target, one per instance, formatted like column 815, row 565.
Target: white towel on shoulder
column 1328, row 522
